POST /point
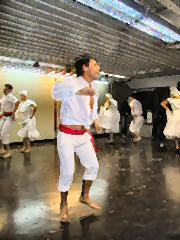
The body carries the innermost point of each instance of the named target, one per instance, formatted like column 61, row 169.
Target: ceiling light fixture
column 124, row 13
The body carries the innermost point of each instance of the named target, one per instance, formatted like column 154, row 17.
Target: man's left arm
column 95, row 113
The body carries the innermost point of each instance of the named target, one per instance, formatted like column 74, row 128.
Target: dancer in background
column 25, row 115
column 172, row 129
column 178, row 86
column 8, row 105
column 79, row 98
column 138, row 120
column 109, row 117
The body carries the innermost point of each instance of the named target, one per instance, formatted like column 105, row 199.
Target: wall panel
column 39, row 89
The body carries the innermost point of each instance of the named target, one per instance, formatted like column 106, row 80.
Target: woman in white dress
column 25, row 115
column 138, row 120
column 172, row 129
column 109, row 117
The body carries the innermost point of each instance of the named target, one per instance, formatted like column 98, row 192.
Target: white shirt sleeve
column 12, row 98
column 64, row 91
column 32, row 103
column 137, row 108
column 95, row 108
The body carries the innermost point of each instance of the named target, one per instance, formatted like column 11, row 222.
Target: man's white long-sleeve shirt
column 75, row 109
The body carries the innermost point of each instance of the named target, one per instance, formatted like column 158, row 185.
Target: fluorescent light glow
column 111, row 75
column 28, row 62
column 124, row 13
column 22, row 70
column 42, row 64
column 101, row 82
column 116, row 76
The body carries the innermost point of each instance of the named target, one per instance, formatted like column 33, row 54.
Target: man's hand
column 97, row 126
column 88, row 91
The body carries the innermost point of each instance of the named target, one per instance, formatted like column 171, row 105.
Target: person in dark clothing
column 159, row 115
column 162, row 120
column 178, row 86
column 126, row 117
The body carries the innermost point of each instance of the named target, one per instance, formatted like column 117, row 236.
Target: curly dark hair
column 80, row 61
column 8, row 86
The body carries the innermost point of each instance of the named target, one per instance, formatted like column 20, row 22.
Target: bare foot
column 28, row 150
column 86, row 200
column 2, row 151
column 64, row 215
column 7, row 155
column 136, row 140
column 22, row 150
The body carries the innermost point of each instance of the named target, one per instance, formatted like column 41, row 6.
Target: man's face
column 93, row 70
column 6, row 91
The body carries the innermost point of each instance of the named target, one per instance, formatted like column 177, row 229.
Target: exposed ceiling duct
column 169, row 10
column 170, row 5
column 57, row 31
column 140, row 20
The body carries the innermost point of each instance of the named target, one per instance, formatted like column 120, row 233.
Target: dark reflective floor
column 138, row 188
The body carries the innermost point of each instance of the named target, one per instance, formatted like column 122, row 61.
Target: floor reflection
column 172, row 179
column 138, row 188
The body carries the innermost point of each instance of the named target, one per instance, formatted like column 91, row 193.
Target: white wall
column 154, row 82
column 39, row 89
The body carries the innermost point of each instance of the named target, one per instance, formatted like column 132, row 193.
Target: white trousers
column 5, row 129
column 136, row 124
column 81, row 145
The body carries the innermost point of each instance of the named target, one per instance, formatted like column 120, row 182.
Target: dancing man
column 79, row 98
column 25, row 115
column 138, row 120
column 109, row 117
column 172, row 129
column 8, row 104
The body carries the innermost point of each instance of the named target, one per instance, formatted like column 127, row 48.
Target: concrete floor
column 138, row 188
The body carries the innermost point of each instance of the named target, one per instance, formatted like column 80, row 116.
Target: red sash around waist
column 71, row 131
column 7, row 114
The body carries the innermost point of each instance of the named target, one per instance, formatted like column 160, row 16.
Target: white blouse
column 7, row 103
column 136, row 107
column 24, row 110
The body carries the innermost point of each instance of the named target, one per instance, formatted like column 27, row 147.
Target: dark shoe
column 178, row 151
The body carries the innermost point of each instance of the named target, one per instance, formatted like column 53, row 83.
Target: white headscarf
column 23, row 92
column 174, row 91
column 110, row 97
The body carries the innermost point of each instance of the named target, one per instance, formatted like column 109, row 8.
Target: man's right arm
column 66, row 90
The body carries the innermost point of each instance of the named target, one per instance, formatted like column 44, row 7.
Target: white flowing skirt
column 29, row 129
column 172, row 129
column 136, row 124
column 110, row 120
